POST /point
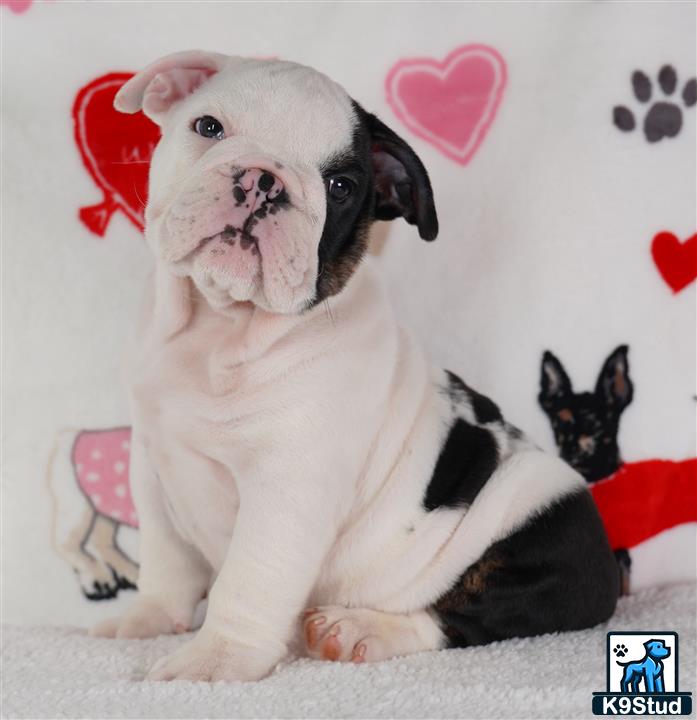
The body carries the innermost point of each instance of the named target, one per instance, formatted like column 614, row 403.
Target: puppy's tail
column 624, row 568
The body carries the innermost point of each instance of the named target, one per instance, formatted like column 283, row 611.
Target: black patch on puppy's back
column 485, row 410
column 466, row 461
column 556, row 573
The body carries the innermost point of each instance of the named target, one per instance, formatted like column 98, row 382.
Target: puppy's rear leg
column 361, row 635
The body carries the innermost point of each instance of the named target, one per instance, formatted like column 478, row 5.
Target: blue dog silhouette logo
column 648, row 670
column 642, row 676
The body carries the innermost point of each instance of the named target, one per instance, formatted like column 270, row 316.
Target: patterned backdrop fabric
column 560, row 138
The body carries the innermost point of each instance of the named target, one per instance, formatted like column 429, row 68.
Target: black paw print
column 620, row 650
column 663, row 118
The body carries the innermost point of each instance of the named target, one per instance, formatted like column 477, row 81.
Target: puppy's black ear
column 402, row 187
column 614, row 385
column 555, row 385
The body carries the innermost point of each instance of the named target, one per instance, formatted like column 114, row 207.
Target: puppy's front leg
column 173, row 576
column 285, row 525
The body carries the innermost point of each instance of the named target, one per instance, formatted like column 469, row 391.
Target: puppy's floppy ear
column 402, row 186
column 555, row 385
column 614, row 385
column 166, row 81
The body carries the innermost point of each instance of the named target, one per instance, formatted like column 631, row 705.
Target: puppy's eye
column 340, row 188
column 209, row 127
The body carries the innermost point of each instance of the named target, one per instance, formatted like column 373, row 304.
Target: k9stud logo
column 642, row 676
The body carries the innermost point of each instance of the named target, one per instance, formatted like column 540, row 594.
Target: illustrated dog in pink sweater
column 88, row 479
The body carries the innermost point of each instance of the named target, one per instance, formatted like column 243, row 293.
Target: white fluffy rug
column 60, row 672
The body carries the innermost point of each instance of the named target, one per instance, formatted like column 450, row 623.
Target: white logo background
column 636, row 652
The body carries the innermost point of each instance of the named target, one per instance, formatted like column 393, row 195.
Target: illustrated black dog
column 586, row 424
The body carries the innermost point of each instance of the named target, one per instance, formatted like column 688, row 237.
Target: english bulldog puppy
column 294, row 456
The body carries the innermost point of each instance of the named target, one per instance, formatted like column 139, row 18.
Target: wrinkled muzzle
column 247, row 230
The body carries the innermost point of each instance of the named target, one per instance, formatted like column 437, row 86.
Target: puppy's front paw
column 210, row 657
column 145, row 619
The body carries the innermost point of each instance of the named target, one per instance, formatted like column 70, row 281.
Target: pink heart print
column 452, row 103
column 17, row 6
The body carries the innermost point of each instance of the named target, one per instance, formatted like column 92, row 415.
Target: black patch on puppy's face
column 345, row 235
column 388, row 181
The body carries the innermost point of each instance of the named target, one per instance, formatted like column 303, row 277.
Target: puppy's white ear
column 166, row 81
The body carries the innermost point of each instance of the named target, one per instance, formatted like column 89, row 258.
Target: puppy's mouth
column 256, row 195
column 238, row 234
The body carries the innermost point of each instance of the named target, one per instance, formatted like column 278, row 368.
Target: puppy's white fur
column 280, row 459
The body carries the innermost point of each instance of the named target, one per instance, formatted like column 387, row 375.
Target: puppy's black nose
column 255, row 183
column 266, row 182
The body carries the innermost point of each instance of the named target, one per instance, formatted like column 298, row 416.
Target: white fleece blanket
column 60, row 672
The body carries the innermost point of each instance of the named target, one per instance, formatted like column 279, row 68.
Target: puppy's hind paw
column 360, row 635
column 344, row 635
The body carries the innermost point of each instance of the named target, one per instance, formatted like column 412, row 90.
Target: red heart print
column 675, row 260
column 116, row 150
column 452, row 103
